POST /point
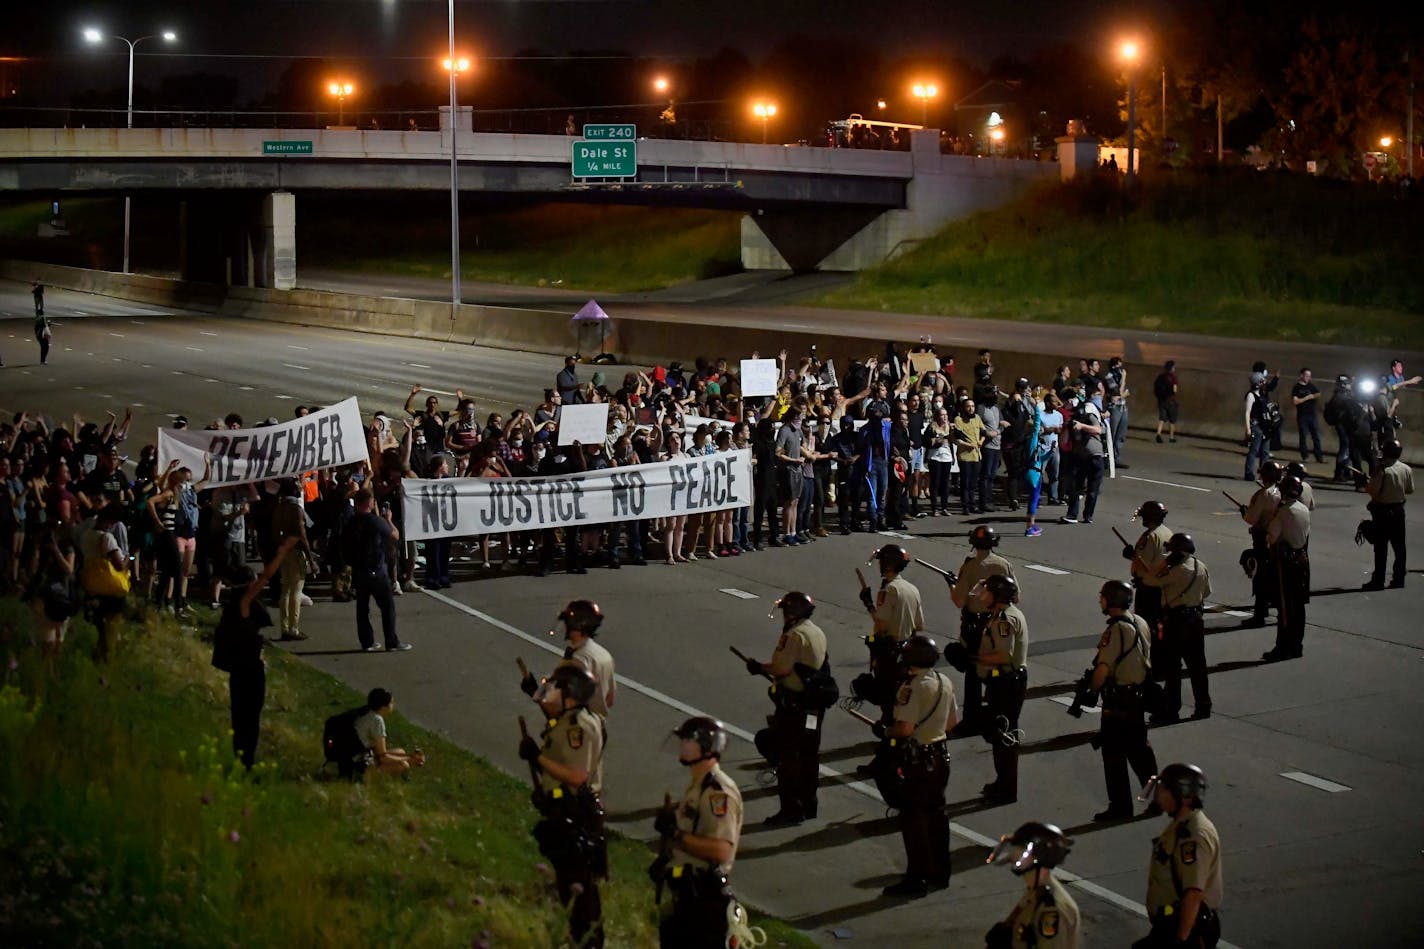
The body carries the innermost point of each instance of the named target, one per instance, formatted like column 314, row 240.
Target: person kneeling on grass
column 371, row 729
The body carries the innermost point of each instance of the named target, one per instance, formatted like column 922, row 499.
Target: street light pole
column 1131, row 122
column 454, row 179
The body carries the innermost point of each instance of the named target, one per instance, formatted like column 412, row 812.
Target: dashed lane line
column 739, row 594
column 1310, row 780
column 1049, row 570
column 861, row 787
column 1167, row 484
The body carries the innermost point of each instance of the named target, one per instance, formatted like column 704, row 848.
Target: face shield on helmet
column 1019, row 857
column 1032, row 846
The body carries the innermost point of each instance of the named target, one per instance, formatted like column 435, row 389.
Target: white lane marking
column 417, row 365
column 147, row 366
column 177, row 372
column 901, row 537
column 1239, row 614
column 739, row 594
column 68, row 349
column 193, row 349
column 119, row 335
column 283, row 397
column 1168, row 484
column 79, row 388
column 116, row 359
column 210, row 380
column 973, row 836
column 206, row 333
column 1042, row 569
column 1311, row 780
column 292, row 346
column 138, row 405
column 1067, row 702
column 244, row 388
column 137, row 322
column 292, row 365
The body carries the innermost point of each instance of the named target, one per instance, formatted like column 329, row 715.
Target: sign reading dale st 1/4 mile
column 606, row 151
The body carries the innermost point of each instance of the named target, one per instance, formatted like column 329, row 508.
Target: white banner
column 586, row 424
column 465, row 507
column 326, row 439
column 759, row 377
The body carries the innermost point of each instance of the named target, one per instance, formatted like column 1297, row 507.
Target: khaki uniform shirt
column 898, row 613
column 1389, row 485
column 1125, row 637
column 1186, row 584
column 1150, row 548
column 599, row 663
column 803, row 643
column 1290, row 527
column 1007, row 633
column 1307, row 495
column 1190, row 847
column 1261, row 508
column 711, row 807
column 574, row 739
column 974, row 570
column 926, row 702
column 1048, row 920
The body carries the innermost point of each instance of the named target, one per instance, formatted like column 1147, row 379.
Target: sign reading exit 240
column 606, row 151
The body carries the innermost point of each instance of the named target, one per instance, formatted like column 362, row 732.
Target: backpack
column 342, row 746
column 1162, row 387
column 1080, row 439
column 1266, row 412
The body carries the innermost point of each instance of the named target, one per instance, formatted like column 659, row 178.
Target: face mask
column 517, row 443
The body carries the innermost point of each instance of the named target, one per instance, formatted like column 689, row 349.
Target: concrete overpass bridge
column 807, row 208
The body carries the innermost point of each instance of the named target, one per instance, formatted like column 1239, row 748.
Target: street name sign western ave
column 286, row 148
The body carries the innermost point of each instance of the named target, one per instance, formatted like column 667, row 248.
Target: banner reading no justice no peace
column 463, row 507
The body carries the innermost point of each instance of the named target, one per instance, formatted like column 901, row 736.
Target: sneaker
column 412, row 587
column 1065, row 519
column 396, row 589
column 1159, row 439
column 399, row 647
column 1087, row 520
column 374, row 647
column 1033, row 531
column 306, row 600
column 295, row 635
column 713, row 555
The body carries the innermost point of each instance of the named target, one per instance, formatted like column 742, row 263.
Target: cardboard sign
column 759, row 377
column 585, row 424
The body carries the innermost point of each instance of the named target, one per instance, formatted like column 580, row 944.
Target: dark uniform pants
column 578, row 860
column 1205, row 934
column 924, row 825
column 1293, row 570
column 699, row 916
column 1003, row 701
column 1123, row 738
column 1184, row 640
column 1389, row 532
column 586, row 908
column 798, row 770
column 247, row 691
column 1147, row 603
column 1265, row 585
column 971, row 631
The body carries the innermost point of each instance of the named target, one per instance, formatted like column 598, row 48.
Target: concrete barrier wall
column 1211, row 400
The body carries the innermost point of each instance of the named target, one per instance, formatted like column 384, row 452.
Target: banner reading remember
column 325, row 439
column 464, row 507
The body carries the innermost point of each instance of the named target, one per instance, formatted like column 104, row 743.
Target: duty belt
column 1185, row 610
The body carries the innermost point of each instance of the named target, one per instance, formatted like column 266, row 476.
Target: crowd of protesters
column 872, row 449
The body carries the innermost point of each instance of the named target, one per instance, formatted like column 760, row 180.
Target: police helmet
column 1151, row 513
column 709, row 734
column 796, row 605
column 1117, row 594
column 1291, row 488
column 1295, row 470
column 583, row 615
column 920, row 651
column 1271, row 472
column 1185, row 782
column 1181, row 544
column 983, row 537
column 1343, row 381
column 574, row 682
column 1033, row 845
column 1002, row 589
column 894, row 556
column 1021, row 384
column 1391, row 450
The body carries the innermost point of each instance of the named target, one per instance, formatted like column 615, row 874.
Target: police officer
column 897, row 614
column 925, row 710
column 1002, row 665
column 1184, row 877
column 1146, row 556
column 796, row 722
column 1289, row 537
column 1119, row 672
column 1258, row 513
column 977, row 568
column 1307, row 494
column 701, row 832
column 1185, row 584
column 582, row 619
column 569, row 764
column 1046, row 915
column 1391, row 480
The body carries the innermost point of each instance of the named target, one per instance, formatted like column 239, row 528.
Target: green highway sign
column 605, row 159
column 603, row 133
column 286, row 148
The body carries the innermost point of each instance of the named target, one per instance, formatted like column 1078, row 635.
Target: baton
column 533, row 765
column 523, row 669
column 861, row 577
column 1121, row 538
column 1232, row 500
column 939, row 570
column 861, row 716
column 1358, row 471
column 745, row 658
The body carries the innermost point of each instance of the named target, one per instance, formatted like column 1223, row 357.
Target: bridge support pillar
column 276, row 264
column 240, row 241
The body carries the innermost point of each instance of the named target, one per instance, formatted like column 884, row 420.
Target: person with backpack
column 368, row 538
column 1263, row 418
column 370, row 728
column 1164, row 390
column 1088, row 437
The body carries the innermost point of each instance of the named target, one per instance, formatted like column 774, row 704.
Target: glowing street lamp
column 462, row 63
column 1386, row 142
column 341, row 89
column 881, row 104
column 924, row 91
column 661, row 85
column 764, row 111
column 1129, row 52
column 93, row 36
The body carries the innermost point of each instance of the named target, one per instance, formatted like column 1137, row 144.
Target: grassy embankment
column 123, row 822
column 1253, row 255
